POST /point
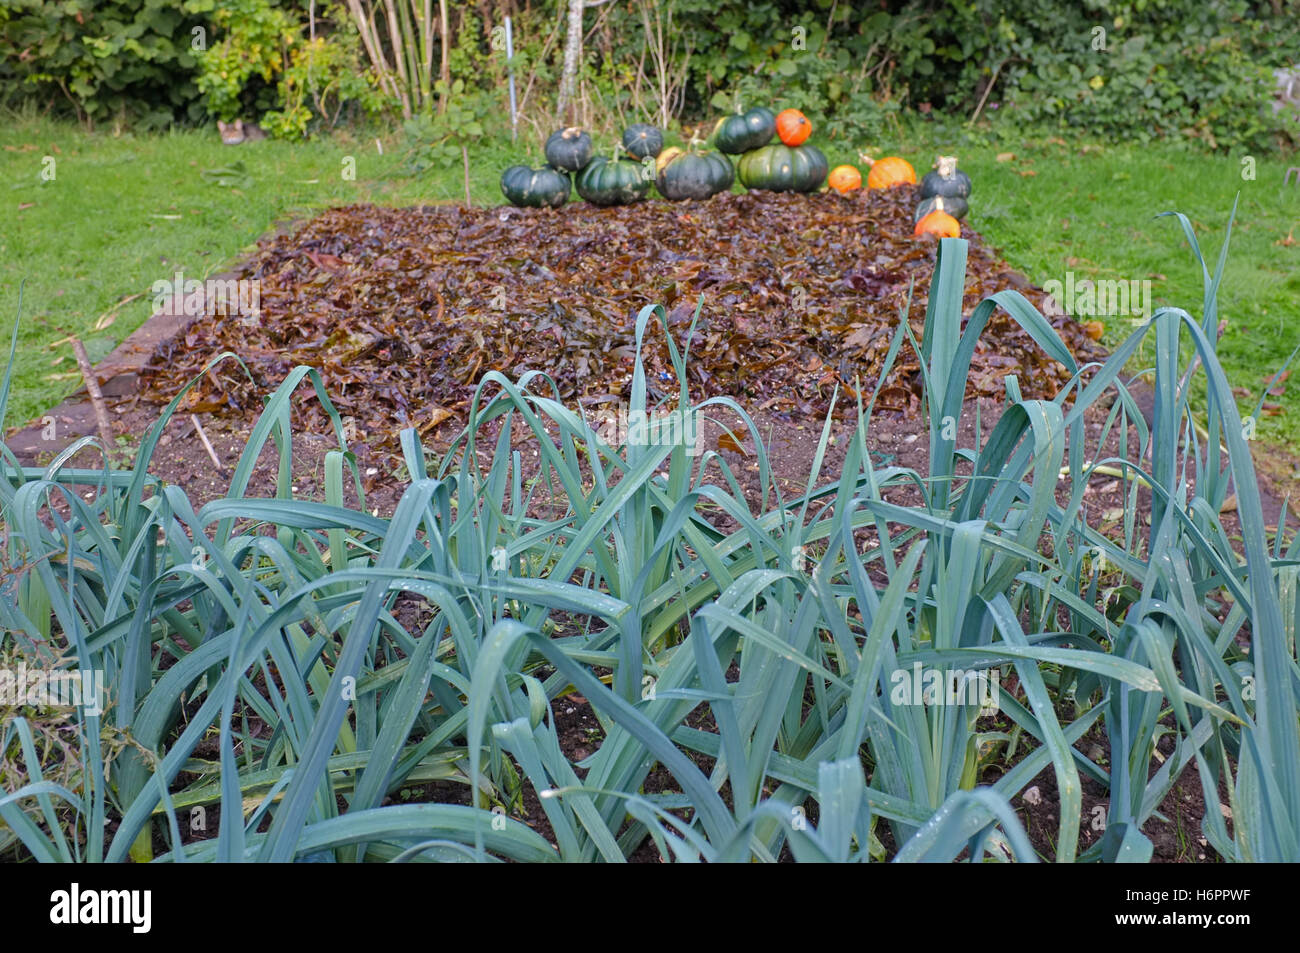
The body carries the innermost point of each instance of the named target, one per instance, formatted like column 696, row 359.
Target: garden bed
column 404, row 310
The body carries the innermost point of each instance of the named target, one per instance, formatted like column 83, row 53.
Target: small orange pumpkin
column 888, row 172
column 793, row 127
column 938, row 224
column 844, row 178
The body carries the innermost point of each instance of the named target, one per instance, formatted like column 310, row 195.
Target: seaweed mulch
column 403, row 310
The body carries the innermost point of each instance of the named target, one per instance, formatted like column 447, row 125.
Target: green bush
column 129, row 60
column 1171, row 68
column 261, row 62
column 1132, row 71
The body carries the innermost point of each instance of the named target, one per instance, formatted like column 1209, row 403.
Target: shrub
column 261, row 63
column 129, row 60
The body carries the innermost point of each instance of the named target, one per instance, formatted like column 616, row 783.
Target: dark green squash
column 569, row 149
column 782, row 168
column 535, row 188
column 692, row 173
column 643, row 141
column 606, row 181
column 954, row 205
column 946, row 180
column 744, row 132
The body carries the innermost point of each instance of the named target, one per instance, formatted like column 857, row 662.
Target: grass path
column 122, row 213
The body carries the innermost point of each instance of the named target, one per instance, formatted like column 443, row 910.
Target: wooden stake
column 464, row 151
column 96, row 395
column 207, row 444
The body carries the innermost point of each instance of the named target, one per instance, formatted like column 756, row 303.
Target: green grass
column 1092, row 212
column 96, row 234
column 122, row 213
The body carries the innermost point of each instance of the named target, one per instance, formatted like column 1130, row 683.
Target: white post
column 514, row 108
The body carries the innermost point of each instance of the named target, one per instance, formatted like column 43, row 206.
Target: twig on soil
column 207, row 444
column 96, row 395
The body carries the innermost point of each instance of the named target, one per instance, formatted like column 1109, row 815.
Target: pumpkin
column 780, row 168
column 606, row 181
column 744, row 131
column 569, row 149
column 938, row 224
column 955, row 206
column 844, row 178
column 692, row 173
column 535, row 188
column 793, row 127
column 643, row 140
column 947, row 180
column 888, row 172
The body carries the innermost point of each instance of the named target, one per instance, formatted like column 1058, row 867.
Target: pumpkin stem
column 946, row 165
column 867, row 159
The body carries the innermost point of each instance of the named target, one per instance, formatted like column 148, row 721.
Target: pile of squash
column 943, row 193
column 621, row 179
column 696, row 171
column 789, row 165
column 699, row 170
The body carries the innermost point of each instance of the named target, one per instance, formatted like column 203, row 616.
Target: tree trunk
column 572, row 57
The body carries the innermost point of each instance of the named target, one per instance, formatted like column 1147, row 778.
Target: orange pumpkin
column 888, row 172
column 938, row 224
column 844, row 178
column 793, row 127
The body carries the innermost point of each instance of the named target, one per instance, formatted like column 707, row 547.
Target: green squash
column 782, row 168
column 606, row 181
column 692, row 174
column 954, row 205
column 744, row 132
column 643, row 141
column 946, row 180
column 569, row 149
column 535, row 188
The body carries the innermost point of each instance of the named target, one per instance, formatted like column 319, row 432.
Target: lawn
column 121, row 213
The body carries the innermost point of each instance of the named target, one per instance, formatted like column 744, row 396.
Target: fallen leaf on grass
column 1006, row 156
column 1094, row 329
